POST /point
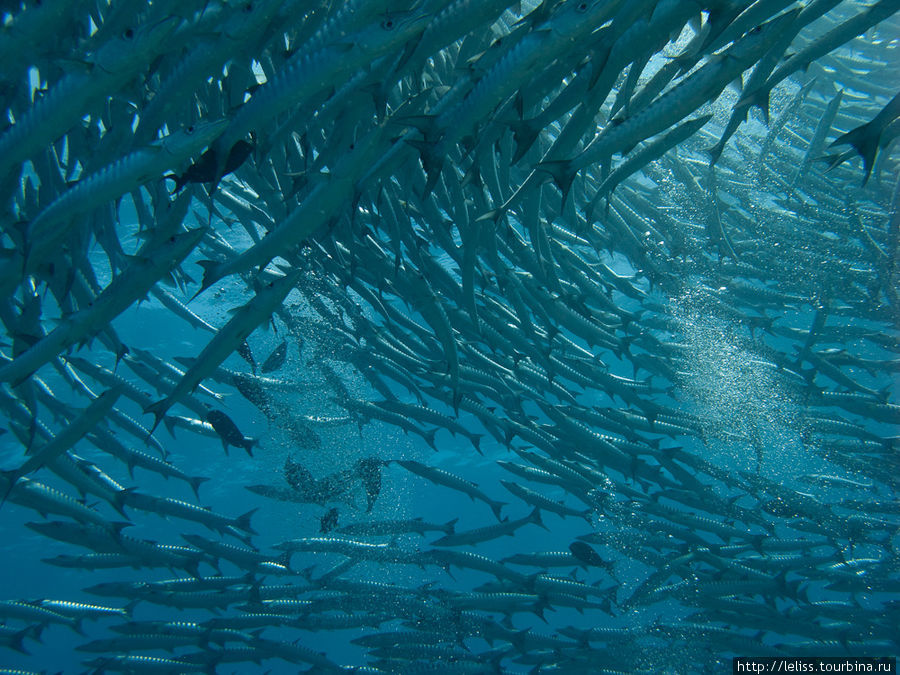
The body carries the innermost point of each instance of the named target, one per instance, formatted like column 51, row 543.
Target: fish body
column 671, row 107
column 441, row 477
column 228, row 432
column 504, row 528
column 47, row 453
column 227, row 340
column 124, row 175
column 115, row 63
column 153, row 262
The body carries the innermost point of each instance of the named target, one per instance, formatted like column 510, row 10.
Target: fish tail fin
column 246, row 539
column 131, row 466
column 195, row 482
column 192, row 567
column 11, row 477
column 835, row 159
column 759, row 98
column 715, row 151
column 756, row 542
column 610, row 569
column 865, row 140
column 118, row 503
column 121, row 351
column 450, row 526
column 433, row 170
column 158, row 410
column 457, row 394
column 429, row 438
column 495, row 507
column 18, row 232
column 591, row 208
column 525, row 133
column 170, row 426
column 36, row 631
column 15, row 641
column 174, row 178
column 562, row 172
column 129, row 607
column 285, row 559
column 211, row 275
column 249, row 444
column 243, row 521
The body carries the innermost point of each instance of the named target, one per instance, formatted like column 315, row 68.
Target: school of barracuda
column 629, row 268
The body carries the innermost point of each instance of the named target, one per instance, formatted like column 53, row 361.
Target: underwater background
column 420, row 337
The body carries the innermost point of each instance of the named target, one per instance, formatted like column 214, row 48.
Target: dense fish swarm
column 622, row 270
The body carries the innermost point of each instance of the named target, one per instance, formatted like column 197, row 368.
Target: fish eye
column 190, row 129
column 582, row 7
column 388, row 24
column 128, row 34
column 248, row 7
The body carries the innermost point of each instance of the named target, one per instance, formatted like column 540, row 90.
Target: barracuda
column 237, row 35
column 324, row 204
column 440, row 477
column 311, row 72
column 245, row 320
column 12, row 609
column 110, row 183
column 703, row 85
column 541, row 502
column 397, row 527
column 153, row 261
column 23, row 38
column 113, row 65
column 763, row 69
column 506, row 528
column 834, row 38
column 65, row 439
column 44, row 499
column 175, row 507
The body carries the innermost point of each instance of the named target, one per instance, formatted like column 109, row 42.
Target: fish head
column 757, row 41
column 392, row 28
column 250, row 16
column 191, row 139
column 134, row 45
